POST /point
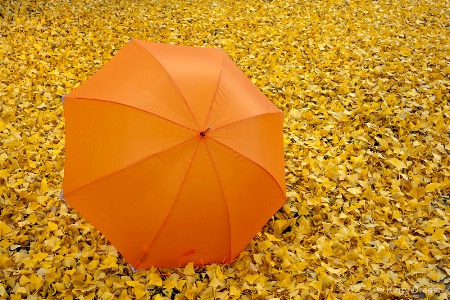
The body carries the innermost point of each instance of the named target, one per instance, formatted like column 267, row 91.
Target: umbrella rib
column 223, row 196
column 136, row 108
column 174, row 83
column 126, row 167
column 147, row 251
column 217, row 88
column 265, row 170
column 244, row 119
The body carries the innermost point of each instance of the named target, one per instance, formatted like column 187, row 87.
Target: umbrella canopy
column 173, row 154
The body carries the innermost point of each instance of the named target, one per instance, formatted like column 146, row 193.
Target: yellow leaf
column 219, row 274
column 23, row 280
column 317, row 285
column 398, row 164
column 314, row 201
column 355, row 191
column 109, row 262
column 350, row 296
column 32, row 218
column 327, row 250
column 342, row 234
column 37, row 46
column 93, row 264
column 60, row 91
column 417, row 193
column 214, row 283
column 124, row 295
column 91, row 296
column 155, row 279
column 383, row 255
column 133, row 283
column 431, row 187
column 107, row 296
column 402, row 242
column 189, row 269
column 234, row 291
column 4, row 173
column 52, row 226
column 434, row 275
column 35, row 280
column 264, row 245
column 438, row 235
column 280, row 224
column 4, row 229
column 140, row 293
column 44, row 186
column 396, row 214
column 5, row 261
column 272, row 238
column 40, row 256
column 69, row 262
column 250, row 278
column 21, row 290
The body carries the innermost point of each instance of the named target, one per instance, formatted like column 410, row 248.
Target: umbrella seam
column 217, row 88
column 147, row 251
column 224, row 198
column 174, row 83
column 132, row 107
column 126, row 167
column 245, row 119
column 271, row 176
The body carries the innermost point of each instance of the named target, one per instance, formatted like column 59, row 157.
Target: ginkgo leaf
column 155, row 279
column 327, row 250
column 32, row 218
column 398, row 164
column 431, row 187
column 214, row 283
column 189, row 269
column 4, row 229
column 140, row 293
column 355, row 190
column 438, row 235
column 250, row 278
column 234, row 291
column 52, row 226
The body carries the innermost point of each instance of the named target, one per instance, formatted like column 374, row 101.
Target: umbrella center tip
column 203, row 133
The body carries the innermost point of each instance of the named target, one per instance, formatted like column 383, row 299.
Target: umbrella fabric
column 173, row 154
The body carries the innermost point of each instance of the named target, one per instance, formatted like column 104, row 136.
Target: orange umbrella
column 173, row 154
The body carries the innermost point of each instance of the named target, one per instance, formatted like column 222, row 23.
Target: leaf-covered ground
column 364, row 86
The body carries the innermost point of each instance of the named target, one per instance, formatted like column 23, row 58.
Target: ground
column 364, row 87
